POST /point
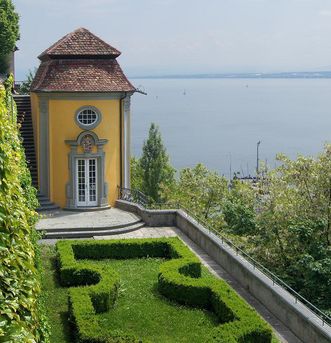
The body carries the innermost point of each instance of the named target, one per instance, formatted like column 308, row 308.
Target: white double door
column 86, row 182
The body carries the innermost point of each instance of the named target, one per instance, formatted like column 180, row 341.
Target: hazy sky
column 186, row 36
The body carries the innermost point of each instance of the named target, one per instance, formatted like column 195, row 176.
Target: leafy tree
column 9, row 32
column 284, row 220
column 293, row 225
column 26, row 85
column 201, row 192
column 155, row 165
column 239, row 208
column 136, row 173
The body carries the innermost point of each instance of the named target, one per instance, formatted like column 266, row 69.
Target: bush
column 22, row 318
column 242, row 323
column 179, row 280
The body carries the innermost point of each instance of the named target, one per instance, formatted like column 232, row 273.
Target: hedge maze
column 93, row 289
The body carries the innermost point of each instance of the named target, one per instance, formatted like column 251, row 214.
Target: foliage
column 136, row 173
column 239, row 208
column 155, row 166
column 9, row 32
column 26, row 85
column 179, row 279
column 21, row 316
column 201, row 191
column 294, row 225
column 283, row 219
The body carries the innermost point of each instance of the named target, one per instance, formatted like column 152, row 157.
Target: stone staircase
column 46, row 205
column 24, row 117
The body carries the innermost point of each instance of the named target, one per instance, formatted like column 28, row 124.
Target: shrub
column 179, row 280
column 21, row 316
column 242, row 323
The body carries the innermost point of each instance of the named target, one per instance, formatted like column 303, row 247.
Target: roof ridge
column 86, row 43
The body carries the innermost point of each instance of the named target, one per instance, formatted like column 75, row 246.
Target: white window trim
column 88, row 126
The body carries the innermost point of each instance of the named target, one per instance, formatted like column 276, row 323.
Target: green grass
column 139, row 309
column 56, row 298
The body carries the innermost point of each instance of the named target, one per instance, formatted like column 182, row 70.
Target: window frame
column 88, row 126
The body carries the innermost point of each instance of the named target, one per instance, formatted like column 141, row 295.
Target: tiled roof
column 80, row 62
column 80, row 42
column 79, row 75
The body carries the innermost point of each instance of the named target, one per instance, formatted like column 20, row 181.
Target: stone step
column 25, row 118
column 91, row 232
column 29, row 150
column 24, row 109
column 45, row 204
column 42, row 198
column 96, row 228
column 47, row 208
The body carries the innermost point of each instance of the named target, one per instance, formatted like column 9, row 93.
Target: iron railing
column 257, row 265
column 133, row 195
column 138, row 197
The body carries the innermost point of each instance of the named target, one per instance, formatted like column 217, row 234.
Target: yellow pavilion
column 80, row 110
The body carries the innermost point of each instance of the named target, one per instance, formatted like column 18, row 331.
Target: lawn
column 57, row 298
column 139, row 309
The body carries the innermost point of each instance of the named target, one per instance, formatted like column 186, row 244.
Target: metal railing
column 136, row 196
column 133, row 195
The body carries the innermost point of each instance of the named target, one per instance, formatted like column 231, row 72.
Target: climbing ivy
column 21, row 315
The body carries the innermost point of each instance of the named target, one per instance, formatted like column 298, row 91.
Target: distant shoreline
column 285, row 75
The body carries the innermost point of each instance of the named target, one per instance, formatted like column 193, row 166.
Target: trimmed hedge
column 94, row 289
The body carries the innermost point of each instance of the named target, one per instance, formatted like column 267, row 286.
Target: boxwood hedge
column 94, row 289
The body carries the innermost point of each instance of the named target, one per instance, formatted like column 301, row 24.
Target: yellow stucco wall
column 62, row 126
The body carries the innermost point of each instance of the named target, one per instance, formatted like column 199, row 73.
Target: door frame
column 87, row 202
column 74, row 154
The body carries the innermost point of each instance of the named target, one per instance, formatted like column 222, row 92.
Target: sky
column 159, row 37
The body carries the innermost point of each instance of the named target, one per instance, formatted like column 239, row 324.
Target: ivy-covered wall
column 21, row 314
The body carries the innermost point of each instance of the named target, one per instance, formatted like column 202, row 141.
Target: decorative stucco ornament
column 87, row 143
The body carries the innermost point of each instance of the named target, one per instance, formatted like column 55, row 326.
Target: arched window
column 88, row 117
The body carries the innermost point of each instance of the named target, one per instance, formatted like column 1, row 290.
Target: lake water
column 218, row 122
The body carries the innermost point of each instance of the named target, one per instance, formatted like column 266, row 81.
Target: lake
column 218, row 122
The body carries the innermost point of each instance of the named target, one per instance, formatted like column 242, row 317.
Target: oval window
column 88, row 118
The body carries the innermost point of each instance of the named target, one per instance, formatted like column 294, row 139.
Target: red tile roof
column 80, row 62
column 80, row 42
column 81, row 76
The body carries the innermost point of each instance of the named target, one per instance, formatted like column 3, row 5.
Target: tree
column 26, row 85
column 136, row 173
column 9, row 32
column 155, row 165
column 293, row 225
column 201, row 192
column 239, row 208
